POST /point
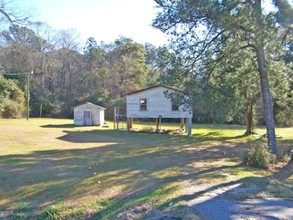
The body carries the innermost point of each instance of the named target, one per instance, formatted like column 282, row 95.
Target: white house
column 153, row 102
column 89, row 114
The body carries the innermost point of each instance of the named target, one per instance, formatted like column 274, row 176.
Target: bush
column 259, row 156
column 11, row 109
column 283, row 155
column 12, row 99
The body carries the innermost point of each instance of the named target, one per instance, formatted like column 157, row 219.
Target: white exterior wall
column 78, row 117
column 157, row 104
column 101, row 117
column 97, row 115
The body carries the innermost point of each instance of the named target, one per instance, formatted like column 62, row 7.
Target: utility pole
column 28, row 94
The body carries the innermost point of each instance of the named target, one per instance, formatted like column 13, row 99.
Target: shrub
column 12, row 99
column 259, row 155
column 283, row 155
column 11, row 109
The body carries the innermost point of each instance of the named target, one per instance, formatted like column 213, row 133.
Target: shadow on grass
column 58, row 126
column 67, row 126
column 218, row 136
column 123, row 171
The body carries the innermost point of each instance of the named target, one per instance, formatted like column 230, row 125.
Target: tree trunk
column 249, row 119
column 264, row 80
column 267, row 99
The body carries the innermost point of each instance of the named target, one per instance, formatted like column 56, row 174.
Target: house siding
column 157, row 105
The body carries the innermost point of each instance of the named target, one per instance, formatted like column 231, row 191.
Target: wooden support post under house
column 189, row 126
column 186, row 124
column 160, row 124
column 129, row 123
column 182, row 123
column 157, row 124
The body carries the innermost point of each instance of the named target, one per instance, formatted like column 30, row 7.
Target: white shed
column 153, row 102
column 89, row 114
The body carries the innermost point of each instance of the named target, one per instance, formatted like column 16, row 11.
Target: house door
column 87, row 118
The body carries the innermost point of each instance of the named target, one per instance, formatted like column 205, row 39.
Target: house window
column 143, row 104
column 175, row 107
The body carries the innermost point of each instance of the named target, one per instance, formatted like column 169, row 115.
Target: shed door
column 87, row 118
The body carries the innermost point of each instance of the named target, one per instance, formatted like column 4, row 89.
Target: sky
column 105, row 20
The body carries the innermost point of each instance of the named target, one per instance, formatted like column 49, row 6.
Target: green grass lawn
column 50, row 169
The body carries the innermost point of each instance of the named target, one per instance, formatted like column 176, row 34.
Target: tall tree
column 152, row 60
column 202, row 28
column 95, row 83
column 69, row 66
column 128, row 66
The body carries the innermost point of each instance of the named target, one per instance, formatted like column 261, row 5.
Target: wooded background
column 224, row 88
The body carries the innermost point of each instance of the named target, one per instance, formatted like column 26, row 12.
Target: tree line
column 213, row 59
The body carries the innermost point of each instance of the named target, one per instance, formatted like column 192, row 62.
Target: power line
column 12, row 74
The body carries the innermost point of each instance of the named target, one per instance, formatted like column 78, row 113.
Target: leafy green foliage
column 259, row 155
column 212, row 63
column 207, row 34
column 63, row 77
column 283, row 155
column 12, row 99
column 11, row 109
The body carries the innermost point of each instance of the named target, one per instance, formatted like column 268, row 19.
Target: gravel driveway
column 220, row 204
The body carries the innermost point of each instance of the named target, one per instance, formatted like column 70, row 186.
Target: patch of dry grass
column 52, row 169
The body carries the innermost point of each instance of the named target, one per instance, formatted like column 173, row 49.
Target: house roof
column 91, row 104
column 153, row 87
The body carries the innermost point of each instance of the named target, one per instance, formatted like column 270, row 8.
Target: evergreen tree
column 201, row 29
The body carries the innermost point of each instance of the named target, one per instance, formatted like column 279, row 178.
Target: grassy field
column 50, row 169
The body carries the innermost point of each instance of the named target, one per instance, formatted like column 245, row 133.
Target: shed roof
column 153, row 87
column 91, row 104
